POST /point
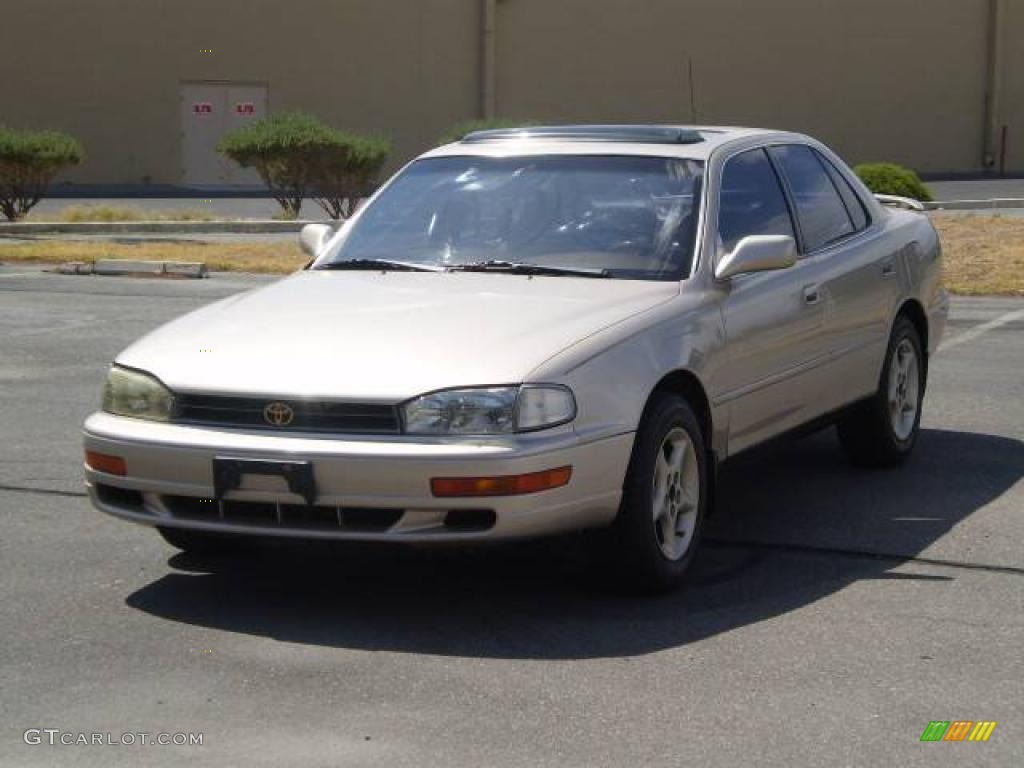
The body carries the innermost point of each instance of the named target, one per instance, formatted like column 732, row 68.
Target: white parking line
column 979, row 330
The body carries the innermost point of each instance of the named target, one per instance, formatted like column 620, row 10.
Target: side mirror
column 314, row 237
column 757, row 253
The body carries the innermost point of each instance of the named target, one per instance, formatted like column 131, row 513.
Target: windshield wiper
column 383, row 265
column 519, row 268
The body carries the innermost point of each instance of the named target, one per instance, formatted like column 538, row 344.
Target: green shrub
column 28, row 162
column 459, row 131
column 892, row 179
column 346, row 171
column 295, row 154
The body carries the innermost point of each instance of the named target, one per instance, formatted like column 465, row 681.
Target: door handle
column 888, row 269
column 811, row 294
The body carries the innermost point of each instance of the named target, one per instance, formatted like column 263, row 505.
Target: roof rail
column 633, row 134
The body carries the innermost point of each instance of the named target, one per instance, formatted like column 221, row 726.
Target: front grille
column 309, row 415
column 271, row 515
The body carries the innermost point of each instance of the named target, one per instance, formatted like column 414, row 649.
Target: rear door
column 856, row 281
column 865, row 292
column 774, row 321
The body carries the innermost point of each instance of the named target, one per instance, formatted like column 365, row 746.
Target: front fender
column 614, row 372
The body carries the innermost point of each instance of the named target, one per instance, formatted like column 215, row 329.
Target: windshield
column 625, row 217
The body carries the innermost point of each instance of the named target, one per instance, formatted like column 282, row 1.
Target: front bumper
column 169, row 482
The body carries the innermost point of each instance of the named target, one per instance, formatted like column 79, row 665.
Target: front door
column 774, row 321
column 208, row 111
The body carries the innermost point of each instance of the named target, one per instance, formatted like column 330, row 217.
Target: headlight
column 490, row 410
column 136, row 394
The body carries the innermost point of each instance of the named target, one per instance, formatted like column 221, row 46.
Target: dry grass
column 983, row 254
column 119, row 213
column 254, row 256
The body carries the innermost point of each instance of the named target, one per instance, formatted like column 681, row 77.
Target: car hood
column 384, row 337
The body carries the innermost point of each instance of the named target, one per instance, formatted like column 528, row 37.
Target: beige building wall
column 877, row 79
column 109, row 71
column 1010, row 109
column 900, row 80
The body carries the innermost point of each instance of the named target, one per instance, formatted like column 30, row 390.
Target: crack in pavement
column 44, row 491
column 862, row 554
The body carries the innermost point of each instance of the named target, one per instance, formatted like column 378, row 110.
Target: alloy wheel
column 676, row 494
column 904, row 389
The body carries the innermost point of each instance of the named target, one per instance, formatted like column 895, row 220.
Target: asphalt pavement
column 832, row 614
column 977, row 189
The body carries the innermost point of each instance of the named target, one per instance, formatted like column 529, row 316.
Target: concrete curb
column 194, row 269
column 272, row 226
column 133, row 267
column 974, row 205
column 247, row 226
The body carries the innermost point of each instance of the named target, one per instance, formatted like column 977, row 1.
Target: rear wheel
column 655, row 536
column 881, row 431
column 202, row 542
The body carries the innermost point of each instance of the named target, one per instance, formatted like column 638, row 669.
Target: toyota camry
column 536, row 331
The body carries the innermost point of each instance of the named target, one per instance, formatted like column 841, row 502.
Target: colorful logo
column 958, row 730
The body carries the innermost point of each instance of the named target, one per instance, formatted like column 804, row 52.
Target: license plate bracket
column 228, row 472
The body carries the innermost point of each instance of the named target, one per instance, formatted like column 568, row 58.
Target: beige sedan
column 530, row 332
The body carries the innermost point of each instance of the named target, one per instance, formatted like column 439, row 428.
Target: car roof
column 685, row 141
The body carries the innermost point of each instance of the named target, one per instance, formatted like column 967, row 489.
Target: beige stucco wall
column 1011, row 104
column 878, row 79
column 109, row 70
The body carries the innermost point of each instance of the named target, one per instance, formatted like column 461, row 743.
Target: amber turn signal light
column 506, row 485
column 101, row 462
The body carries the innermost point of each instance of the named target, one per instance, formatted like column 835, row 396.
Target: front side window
column 819, row 209
column 752, row 201
column 625, row 217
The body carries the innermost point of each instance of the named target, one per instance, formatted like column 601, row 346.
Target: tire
column 882, row 430
column 202, row 542
column 651, row 544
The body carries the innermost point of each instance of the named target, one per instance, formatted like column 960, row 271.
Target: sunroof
column 634, row 134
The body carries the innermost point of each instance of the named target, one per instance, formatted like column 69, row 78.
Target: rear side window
column 819, row 208
column 854, row 206
column 752, row 201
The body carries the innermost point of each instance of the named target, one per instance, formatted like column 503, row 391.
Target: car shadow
column 795, row 523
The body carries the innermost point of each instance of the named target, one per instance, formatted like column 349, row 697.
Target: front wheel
column 881, row 431
column 655, row 536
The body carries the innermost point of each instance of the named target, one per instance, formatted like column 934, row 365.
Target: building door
column 208, row 111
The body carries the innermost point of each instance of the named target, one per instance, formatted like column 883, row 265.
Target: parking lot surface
column 832, row 614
